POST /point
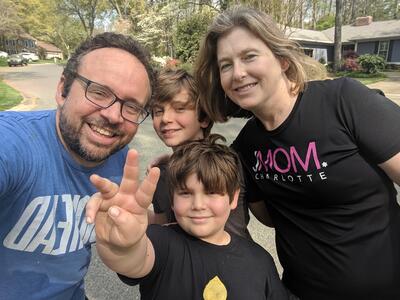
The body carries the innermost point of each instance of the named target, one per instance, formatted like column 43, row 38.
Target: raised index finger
column 129, row 182
column 107, row 188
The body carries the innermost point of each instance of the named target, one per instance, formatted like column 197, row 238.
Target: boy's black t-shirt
column 335, row 211
column 188, row 268
column 162, row 199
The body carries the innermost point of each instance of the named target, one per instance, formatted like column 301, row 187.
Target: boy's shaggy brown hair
column 215, row 165
column 171, row 82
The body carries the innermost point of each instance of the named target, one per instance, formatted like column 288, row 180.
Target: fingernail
column 88, row 220
column 113, row 211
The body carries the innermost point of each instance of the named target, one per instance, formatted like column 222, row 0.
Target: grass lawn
column 9, row 97
column 362, row 77
column 42, row 61
column 367, row 81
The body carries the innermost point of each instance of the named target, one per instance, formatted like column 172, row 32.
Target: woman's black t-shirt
column 335, row 211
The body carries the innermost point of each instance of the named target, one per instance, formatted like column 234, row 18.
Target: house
column 49, row 51
column 26, row 43
column 20, row 43
column 363, row 37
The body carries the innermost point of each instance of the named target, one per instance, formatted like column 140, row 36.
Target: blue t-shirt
column 45, row 240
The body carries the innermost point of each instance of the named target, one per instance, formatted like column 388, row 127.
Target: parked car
column 30, row 56
column 3, row 54
column 17, row 60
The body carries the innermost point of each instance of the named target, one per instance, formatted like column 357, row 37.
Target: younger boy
column 196, row 258
column 178, row 120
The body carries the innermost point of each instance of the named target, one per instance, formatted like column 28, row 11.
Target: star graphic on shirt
column 324, row 164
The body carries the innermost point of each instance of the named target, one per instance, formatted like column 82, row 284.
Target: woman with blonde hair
column 320, row 158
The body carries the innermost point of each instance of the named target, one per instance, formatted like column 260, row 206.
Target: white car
column 3, row 54
column 30, row 56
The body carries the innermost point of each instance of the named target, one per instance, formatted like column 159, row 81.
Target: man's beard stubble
column 71, row 135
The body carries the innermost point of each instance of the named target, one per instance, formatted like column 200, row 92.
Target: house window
column 308, row 52
column 383, row 49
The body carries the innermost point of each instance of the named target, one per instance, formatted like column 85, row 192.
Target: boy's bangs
column 212, row 180
column 206, row 172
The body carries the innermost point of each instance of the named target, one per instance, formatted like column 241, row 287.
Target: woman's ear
column 284, row 64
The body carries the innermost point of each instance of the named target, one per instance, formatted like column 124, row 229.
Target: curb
column 28, row 102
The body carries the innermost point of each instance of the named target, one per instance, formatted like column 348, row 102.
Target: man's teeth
column 101, row 130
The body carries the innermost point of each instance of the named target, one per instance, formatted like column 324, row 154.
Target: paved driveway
column 391, row 86
column 37, row 83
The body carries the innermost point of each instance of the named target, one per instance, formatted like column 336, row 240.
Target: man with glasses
column 46, row 158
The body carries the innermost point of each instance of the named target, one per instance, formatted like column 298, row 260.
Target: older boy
column 177, row 120
column 196, row 258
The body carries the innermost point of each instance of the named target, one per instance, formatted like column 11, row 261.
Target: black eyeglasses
column 101, row 96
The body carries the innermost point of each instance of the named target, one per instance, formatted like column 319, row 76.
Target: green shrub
column 371, row 64
column 322, row 61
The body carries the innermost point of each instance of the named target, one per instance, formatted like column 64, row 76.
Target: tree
column 156, row 28
column 338, row 36
column 86, row 11
column 67, row 34
column 326, row 22
column 38, row 17
column 127, row 14
column 189, row 33
column 9, row 19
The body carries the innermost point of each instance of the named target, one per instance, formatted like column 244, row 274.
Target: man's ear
column 234, row 202
column 60, row 97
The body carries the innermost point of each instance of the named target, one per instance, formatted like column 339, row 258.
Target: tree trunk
column 301, row 17
column 353, row 11
column 314, row 14
column 338, row 36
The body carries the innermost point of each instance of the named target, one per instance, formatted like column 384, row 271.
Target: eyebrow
column 178, row 101
column 134, row 100
column 242, row 52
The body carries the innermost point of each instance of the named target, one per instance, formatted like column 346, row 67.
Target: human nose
column 198, row 202
column 167, row 115
column 113, row 113
column 239, row 71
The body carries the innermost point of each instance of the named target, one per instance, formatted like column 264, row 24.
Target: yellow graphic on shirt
column 215, row 290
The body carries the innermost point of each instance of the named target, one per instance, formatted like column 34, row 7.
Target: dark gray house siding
column 394, row 51
column 366, row 48
column 371, row 47
column 380, row 37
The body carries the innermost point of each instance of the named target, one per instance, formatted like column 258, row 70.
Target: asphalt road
column 38, row 85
